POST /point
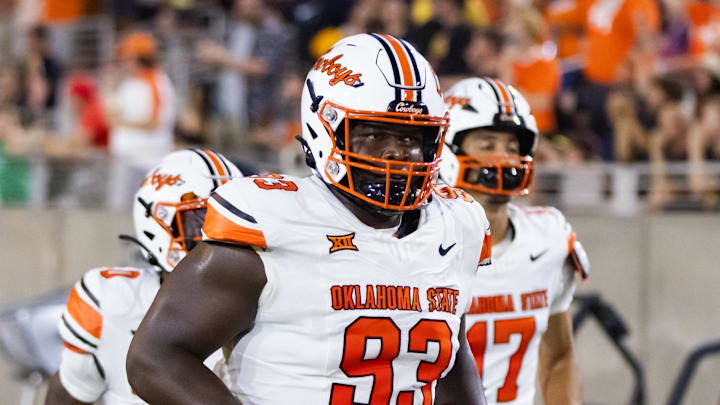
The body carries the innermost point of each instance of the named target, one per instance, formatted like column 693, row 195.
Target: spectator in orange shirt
column 704, row 17
column 615, row 29
column 61, row 11
column 566, row 19
column 534, row 69
column 620, row 33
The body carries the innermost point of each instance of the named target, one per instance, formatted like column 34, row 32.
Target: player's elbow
column 140, row 365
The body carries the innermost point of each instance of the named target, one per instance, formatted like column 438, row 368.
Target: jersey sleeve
column 486, row 251
column 481, row 233
column 565, row 282
column 80, row 327
column 476, row 230
column 80, row 375
column 247, row 211
column 564, row 290
column 81, row 321
column 575, row 254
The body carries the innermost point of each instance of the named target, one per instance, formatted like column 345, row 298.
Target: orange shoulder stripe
column 218, row 227
column 486, row 253
column 85, row 315
column 571, row 242
column 73, row 348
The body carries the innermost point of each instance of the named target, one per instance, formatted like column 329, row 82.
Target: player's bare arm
column 57, row 395
column 461, row 385
column 558, row 372
column 210, row 298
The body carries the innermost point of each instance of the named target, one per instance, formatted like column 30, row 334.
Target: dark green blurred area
column 14, row 179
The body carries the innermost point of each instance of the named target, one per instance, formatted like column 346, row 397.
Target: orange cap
column 137, row 44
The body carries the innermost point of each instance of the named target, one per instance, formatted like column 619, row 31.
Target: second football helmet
column 490, row 104
column 169, row 208
column 377, row 78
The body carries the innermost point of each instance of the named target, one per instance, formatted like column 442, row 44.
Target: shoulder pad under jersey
column 471, row 216
column 98, row 291
column 245, row 211
column 555, row 224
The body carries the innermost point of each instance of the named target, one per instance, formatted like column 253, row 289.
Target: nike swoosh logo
column 442, row 251
column 537, row 256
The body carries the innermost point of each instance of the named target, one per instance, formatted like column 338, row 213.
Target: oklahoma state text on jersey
column 349, row 313
column 513, row 299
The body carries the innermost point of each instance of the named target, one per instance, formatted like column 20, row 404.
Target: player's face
column 192, row 223
column 392, row 142
column 387, row 141
column 481, row 143
column 189, row 219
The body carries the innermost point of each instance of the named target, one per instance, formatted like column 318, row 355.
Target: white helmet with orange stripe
column 490, row 104
column 169, row 208
column 379, row 78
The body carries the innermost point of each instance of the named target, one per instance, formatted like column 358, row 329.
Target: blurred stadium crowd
column 102, row 89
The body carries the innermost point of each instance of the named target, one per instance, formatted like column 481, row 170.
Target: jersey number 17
column 477, row 339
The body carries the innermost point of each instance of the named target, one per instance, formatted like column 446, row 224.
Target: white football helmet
column 169, row 208
column 489, row 104
column 372, row 77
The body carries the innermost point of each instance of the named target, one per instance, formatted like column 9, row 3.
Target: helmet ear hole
column 149, row 235
column 309, row 158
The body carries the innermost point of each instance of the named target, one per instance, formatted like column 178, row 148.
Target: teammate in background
column 348, row 286
column 107, row 304
column 518, row 325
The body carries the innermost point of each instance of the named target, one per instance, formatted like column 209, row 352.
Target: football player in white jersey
column 518, row 326
column 345, row 287
column 107, row 304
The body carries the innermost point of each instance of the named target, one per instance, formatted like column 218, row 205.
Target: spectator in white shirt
column 142, row 114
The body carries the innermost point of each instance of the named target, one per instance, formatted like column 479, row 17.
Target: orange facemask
column 495, row 173
column 185, row 230
column 416, row 176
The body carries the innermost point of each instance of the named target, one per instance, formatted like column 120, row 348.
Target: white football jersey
column 349, row 314
column 513, row 299
column 102, row 313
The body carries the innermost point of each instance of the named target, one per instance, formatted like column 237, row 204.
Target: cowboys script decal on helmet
column 338, row 72
column 452, row 101
column 158, row 180
column 408, row 107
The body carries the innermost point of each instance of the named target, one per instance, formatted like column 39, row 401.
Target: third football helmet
column 489, row 104
column 378, row 78
column 169, row 208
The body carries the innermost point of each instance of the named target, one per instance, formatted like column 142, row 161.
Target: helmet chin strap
column 152, row 260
